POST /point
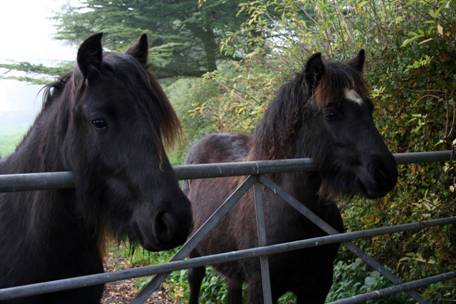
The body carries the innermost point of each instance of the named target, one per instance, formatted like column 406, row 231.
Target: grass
column 213, row 289
column 9, row 140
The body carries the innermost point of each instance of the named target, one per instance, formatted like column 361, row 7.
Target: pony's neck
column 41, row 150
column 276, row 134
column 284, row 133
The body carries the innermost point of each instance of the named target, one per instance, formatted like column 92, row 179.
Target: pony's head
column 325, row 113
column 119, row 119
column 349, row 151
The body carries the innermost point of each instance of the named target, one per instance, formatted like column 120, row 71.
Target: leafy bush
column 412, row 74
column 354, row 277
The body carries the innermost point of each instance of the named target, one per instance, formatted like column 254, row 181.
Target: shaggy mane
column 168, row 122
column 284, row 115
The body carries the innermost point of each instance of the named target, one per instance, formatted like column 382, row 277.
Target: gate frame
column 254, row 170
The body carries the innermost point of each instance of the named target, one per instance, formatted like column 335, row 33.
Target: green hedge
column 411, row 69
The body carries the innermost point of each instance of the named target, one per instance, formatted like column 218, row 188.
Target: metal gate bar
column 53, row 180
column 101, row 278
column 373, row 263
column 194, row 240
column 58, row 180
column 36, row 181
column 397, row 288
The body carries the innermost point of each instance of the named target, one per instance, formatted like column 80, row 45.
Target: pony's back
column 219, row 147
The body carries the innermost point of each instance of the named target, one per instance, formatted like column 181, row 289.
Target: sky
column 26, row 33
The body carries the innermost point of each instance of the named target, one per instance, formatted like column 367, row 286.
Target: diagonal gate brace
column 194, row 240
column 311, row 216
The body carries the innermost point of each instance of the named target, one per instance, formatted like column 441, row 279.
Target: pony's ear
column 358, row 62
column 90, row 55
column 314, row 70
column 140, row 49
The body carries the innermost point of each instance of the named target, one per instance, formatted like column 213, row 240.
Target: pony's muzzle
column 165, row 227
column 380, row 176
column 162, row 228
column 171, row 229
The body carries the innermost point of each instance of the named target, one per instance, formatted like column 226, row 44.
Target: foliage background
column 411, row 69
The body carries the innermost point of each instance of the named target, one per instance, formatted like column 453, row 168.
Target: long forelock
column 170, row 127
column 136, row 79
column 337, row 79
column 72, row 84
column 284, row 115
column 166, row 119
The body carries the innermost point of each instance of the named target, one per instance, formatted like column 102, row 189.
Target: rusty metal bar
column 262, row 241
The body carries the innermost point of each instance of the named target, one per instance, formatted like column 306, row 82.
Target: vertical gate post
column 262, row 241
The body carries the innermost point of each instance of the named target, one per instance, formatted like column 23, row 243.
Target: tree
column 185, row 34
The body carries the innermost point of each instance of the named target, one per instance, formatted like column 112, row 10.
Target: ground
column 123, row 292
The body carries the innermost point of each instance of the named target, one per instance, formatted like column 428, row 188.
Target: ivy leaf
column 439, row 29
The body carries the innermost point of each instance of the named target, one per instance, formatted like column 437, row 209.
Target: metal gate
column 255, row 171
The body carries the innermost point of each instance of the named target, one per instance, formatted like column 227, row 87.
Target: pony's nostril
column 384, row 174
column 380, row 175
column 165, row 227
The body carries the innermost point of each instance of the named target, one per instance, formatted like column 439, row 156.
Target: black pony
column 323, row 113
column 105, row 122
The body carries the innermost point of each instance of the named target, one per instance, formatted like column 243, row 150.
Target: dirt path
column 123, row 292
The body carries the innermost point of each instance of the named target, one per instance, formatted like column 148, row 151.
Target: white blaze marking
column 352, row 95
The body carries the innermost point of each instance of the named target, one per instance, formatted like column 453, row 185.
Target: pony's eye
column 330, row 115
column 99, row 123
